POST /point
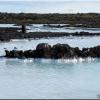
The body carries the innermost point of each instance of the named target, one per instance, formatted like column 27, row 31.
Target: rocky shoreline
column 7, row 36
column 58, row 51
column 87, row 20
column 79, row 19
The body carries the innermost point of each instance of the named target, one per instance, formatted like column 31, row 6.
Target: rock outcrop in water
column 57, row 51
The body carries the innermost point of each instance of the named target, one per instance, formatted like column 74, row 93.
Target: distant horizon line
column 49, row 13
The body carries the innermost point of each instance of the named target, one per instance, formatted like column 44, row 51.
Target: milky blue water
column 50, row 7
column 49, row 79
column 42, row 28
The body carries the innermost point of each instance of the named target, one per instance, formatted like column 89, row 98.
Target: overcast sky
column 50, row 6
column 50, row 0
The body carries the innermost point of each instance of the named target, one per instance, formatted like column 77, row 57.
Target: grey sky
column 72, row 6
column 50, row 0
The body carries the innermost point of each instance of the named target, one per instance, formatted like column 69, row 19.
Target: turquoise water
column 66, row 6
column 42, row 28
column 49, row 79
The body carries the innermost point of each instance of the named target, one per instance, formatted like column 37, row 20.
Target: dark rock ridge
column 7, row 36
column 57, row 51
column 63, row 25
column 85, row 19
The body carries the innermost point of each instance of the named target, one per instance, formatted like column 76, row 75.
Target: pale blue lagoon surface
column 49, row 79
column 8, row 25
column 43, row 28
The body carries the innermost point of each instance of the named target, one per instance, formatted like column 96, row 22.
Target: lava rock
column 14, row 54
column 43, row 50
column 62, row 51
column 58, row 51
column 94, row 52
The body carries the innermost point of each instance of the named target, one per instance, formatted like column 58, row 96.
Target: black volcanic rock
column 7, row 36
column 28, row 54
column 58, row 51
column 94, row 52
column 14, row 54
column 43, row 50
column 62, row 51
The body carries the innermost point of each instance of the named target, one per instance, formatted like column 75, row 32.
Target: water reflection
column 57, row 76
column 13, row 63
column 46, row 63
